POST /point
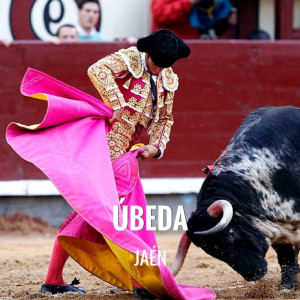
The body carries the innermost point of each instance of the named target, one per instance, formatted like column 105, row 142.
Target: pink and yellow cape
column 70, row 147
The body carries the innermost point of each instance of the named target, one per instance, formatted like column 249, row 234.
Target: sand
column 24, row 260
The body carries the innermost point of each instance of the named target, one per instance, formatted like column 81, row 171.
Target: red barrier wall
column 220, row 84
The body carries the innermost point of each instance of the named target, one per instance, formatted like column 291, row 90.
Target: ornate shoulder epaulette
column 170, row 80
column 133, row 60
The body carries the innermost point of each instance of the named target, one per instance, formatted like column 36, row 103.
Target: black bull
column 250, row 198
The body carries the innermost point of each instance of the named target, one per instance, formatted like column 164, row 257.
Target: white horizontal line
column 150, row 185
column 172, row 185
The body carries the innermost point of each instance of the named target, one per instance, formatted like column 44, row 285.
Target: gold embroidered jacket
column 122, row 81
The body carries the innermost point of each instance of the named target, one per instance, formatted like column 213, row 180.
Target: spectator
column 212, row 17
column 88, row 15
column 67, row 33
column 259, row 34
column 191, row 19
column 130, row 40
column 174, row 15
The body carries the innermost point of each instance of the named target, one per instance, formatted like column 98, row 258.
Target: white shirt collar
column 82, row 32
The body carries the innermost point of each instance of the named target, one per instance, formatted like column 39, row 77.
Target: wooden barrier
column 219, row 85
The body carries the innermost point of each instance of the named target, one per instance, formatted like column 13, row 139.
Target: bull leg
column 297, row 268
column 296, row 258
column 288, row 263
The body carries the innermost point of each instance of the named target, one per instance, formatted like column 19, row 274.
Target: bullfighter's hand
column 117, row 115
column 149, row 151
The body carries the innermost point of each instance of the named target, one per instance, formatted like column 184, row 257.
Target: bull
column 250, row 199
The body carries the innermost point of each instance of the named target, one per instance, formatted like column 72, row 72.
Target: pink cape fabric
column 70, row 147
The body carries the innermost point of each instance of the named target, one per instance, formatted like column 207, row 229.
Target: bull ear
column 214, row 211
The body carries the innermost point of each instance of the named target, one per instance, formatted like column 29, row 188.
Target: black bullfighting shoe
column 60, row 289
column 143, row 294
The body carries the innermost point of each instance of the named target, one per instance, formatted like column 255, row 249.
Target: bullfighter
column 138, row 83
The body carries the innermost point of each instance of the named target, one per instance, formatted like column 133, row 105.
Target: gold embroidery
column 146, row 78
column 161, row 127
column 169, row 98
column 169, row 108
column 127, row 83
column 142, row 92
column 147, row 113
column 156, row 116
column 144, row 120
column 170, row 80
column 118, row 138
column 131, row 118
column 133, row 61
column 137, row 89
column 136, row 105
column 103, row 74
column 160, row 99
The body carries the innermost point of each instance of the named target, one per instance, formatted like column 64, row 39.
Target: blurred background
column 40, row 19
column 245, row 54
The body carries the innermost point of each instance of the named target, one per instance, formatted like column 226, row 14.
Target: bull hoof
column 297, row 279
column 286, row 287
column 287, row 283
column 289, row 278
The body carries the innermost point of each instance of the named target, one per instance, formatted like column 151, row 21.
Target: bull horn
column 214, row 210
column 182, row 250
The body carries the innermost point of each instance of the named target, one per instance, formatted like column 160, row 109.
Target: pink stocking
column 135, row 283
column 58, row 258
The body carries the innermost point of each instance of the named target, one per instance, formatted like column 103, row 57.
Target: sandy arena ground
column 24, row 261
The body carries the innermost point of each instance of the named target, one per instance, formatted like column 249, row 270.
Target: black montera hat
column 164, row 47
